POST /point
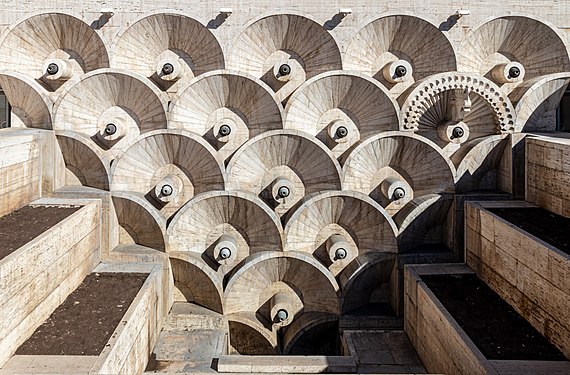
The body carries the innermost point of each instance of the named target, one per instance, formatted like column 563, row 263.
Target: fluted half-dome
column 311, row 334
column 139, row 221
column 424, row 222
column 107, row 97
column 381, row 164
column 245, row 106
column 537, row 98
column 84, row 160
column 241, row 219
column 363, row 276
column 29, row 101
column 452, row 109
column 248, row 336
column 299, row 43
column 479, row 164
column 194, row 282
column 347, row 220
column 161, row 38
column 400, row 37
column 535, row 45
column 29, row 44
column 250, row 283
column 331, row 100
column 314, row 163
column 178, row 161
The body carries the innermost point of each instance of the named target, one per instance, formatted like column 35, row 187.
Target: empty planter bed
column 521, row 252
column 461, row 326
column 105, row 326
column 47, row 249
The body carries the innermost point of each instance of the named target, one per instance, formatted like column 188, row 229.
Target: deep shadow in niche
column 323, row 339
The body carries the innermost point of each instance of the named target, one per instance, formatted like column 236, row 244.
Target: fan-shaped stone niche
column 282, row 167
column 227, row 109
column 481, row 164
column 139, row 222
column 193, row 282
column 223, row 228
column 337, row 227
column 284, row 50
column 453, row 108
column 370, row 280
column 169, row 48
column 85, row 162
column 425, row 224
column 537, row 100
column 511, row 49
column 340, row 109
column 398, row 50
column 112, row 107
column 270, row 292
column 394, row 168
column 30, row 104
column 52, row 48
column 167, row 167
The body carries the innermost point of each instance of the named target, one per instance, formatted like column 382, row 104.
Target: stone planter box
column 128, row 350
column 531, row 275
column 442, row 344
column 38, row 276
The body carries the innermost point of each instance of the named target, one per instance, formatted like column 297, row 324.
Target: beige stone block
column 558, row 265
column 533, row 254
column 507, row 237
column 472, row 216
column 487, row 225
column 488, row 250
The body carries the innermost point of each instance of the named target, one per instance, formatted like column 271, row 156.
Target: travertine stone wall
column 437, row 11
column 19, row 169
column 548, row 173
column 37, row 277
column 532, row 276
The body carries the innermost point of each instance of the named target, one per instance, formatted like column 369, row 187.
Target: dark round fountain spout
column 284, row 70
column 225, row 130
column 341, row 132
column 167, row 69
column 283, row 192
column 399, row 193
column 110, row 129
column 52, row 69
column 458, row 132
column 401, row 71
column 514, row 72
column 166, row 190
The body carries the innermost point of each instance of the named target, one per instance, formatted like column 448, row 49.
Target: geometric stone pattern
column 280, row 171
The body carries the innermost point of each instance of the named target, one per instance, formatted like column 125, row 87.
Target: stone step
column 187, row 351
column 188, row 316
column 374, row 322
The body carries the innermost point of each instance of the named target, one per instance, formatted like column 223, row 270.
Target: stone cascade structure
column 282, row 180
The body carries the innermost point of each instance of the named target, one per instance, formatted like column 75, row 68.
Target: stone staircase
column 192, row 336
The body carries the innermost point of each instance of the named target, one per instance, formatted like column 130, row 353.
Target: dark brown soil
column 548, row 226
column 85, row 321
column 21, row 226
column 493, row 325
